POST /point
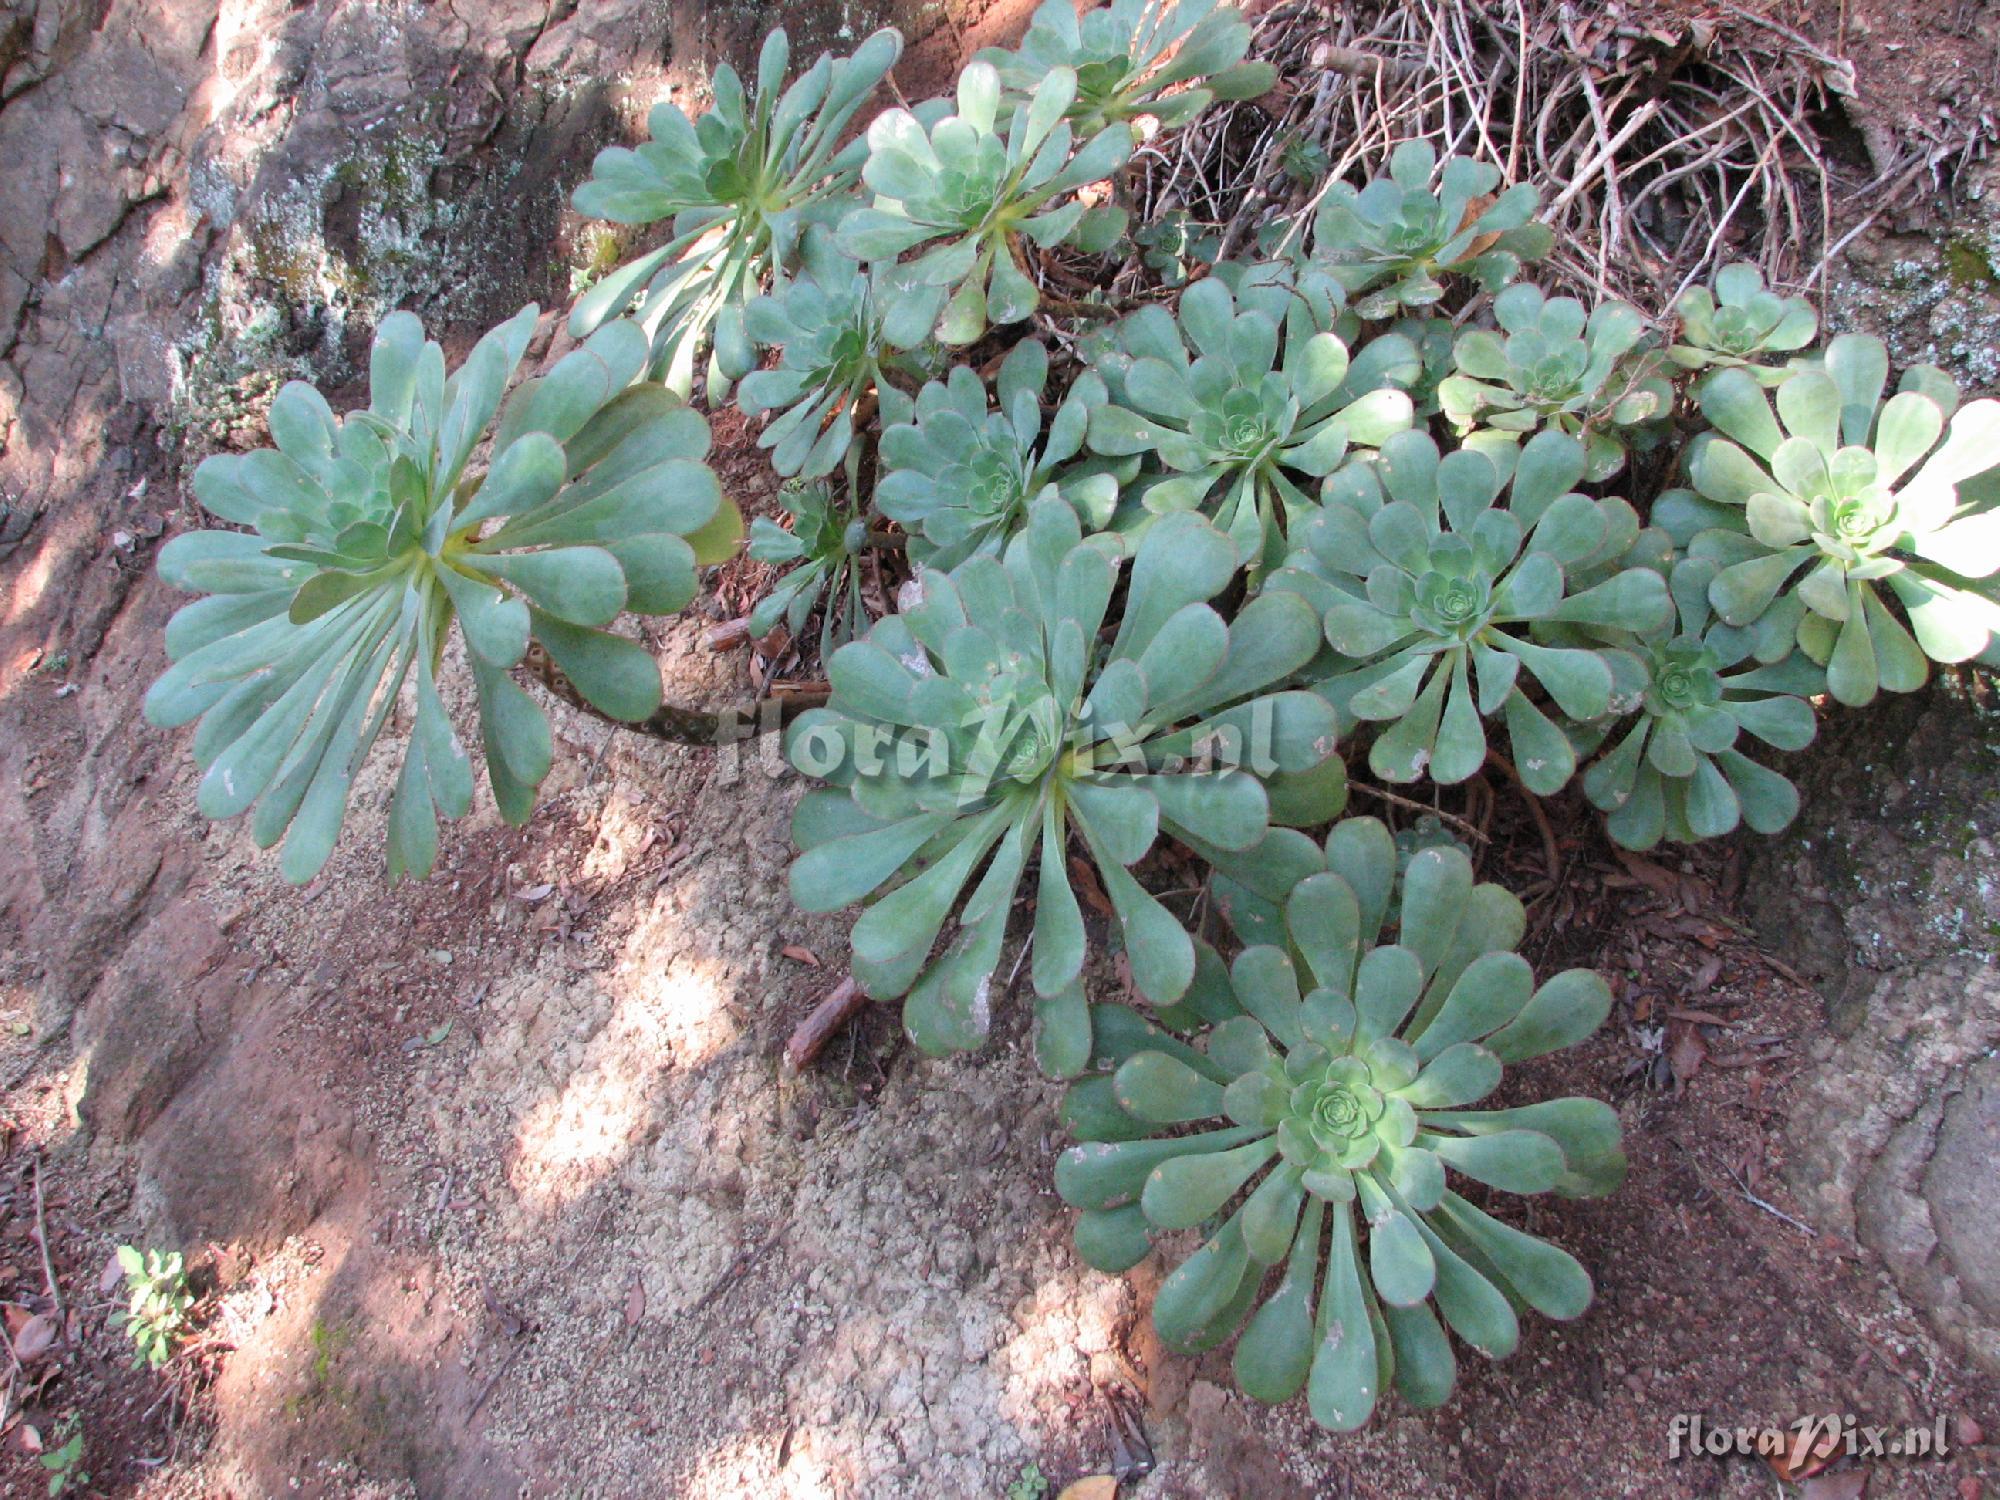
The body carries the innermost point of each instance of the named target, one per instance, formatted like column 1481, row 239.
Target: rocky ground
column 496, row 1185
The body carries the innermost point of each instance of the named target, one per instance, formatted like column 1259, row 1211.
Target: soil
column 496, row 1185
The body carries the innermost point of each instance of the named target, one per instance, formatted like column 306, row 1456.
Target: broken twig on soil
column 842, row 1003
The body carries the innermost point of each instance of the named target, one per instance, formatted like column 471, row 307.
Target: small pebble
column 1970, row 1432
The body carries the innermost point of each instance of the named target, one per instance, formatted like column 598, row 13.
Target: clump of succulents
column 960, row 477
column 1132, row 57
column 837, row 330
column 986, row 721
column 1740, row 324
column 1677, row 772
column 1808, row 512
column 1333, row 1103
column 1432, row 586
column 825, row 543
column 373, row 540
column 1389, row 243
column 1554, row 363
column 968, row 190
column 738, row 186
column 1240, row 415
column 1145, row 569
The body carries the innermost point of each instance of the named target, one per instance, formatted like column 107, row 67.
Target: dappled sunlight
column 59, row 536
column 581, row 1131
column 750, row 1466
column 1062, row 1330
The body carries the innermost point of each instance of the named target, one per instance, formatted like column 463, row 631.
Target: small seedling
column 64, row 1462
column 157, row 1316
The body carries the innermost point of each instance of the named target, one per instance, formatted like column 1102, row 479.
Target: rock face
column 203, row 199
column 1886, row 897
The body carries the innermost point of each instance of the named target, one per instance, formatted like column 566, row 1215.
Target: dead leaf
column 635, row 1302
column 36, row 1338
column 1096, row 1487
column 1657, row 878
column 1480, row 243
column 1688, row 1054
column 1811, row 1449
column 1704, row 1017
column 1084, row 879
column 1848, row 1484
column 534, row 893
column 798, row 953
column 112, row 1274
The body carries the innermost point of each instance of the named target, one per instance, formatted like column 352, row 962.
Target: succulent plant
column 1430, row 584
column 739, row 186
column 1740, row 325
column 1389, row 243
column 837, row 330
column 985, row 719
column 960, row 478
column 826, row 541
column 970, row 192
column 370, row 539
column 1677, row 773
column 1334, row 1104
column 1240, row 428
column 1559, row 366
column 1127, row 55
column 1806, row 513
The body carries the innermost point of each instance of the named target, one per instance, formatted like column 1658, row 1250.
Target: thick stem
column 680, row 724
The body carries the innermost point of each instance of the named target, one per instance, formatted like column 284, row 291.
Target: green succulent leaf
column 965, row 189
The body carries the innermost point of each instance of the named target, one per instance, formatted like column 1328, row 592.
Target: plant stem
column 680, row 724
column 1063, row 307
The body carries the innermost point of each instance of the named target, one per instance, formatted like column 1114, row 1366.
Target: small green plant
column 156, row 1315
column 826, row 541
column 1389, row 243
column 374, row 539
column 837, row 330
column 1677, row 772
column 1555, row 363
column 1132, row 57
column 1029, row 1484
column 739, row 186
column 1809, row 511
column 1239, row 428
column 960, row 478
column 1340, row 1068
column 968, row 191
column 64, row 1462
column 1740, row 325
